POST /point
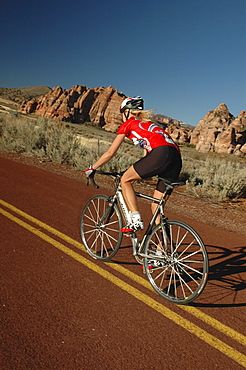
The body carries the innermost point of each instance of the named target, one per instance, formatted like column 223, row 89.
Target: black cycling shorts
column 164, row 161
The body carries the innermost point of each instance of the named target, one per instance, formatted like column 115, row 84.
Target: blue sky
column 183, row 57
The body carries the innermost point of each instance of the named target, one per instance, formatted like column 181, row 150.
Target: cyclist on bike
column 162, row 156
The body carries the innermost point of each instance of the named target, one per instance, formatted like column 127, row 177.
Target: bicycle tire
column 101, row 237
column 181, row 273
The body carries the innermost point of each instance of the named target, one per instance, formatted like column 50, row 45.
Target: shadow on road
column 227, row 277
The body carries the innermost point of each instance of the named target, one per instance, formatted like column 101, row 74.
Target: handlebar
column 169, row 184
column 91, row 177
column 113, row 174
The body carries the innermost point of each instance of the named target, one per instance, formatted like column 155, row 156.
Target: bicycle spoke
column 180, row 273
column 100, row 228
column 190, row 268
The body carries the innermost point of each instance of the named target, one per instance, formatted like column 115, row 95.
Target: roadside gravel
column 229, row 216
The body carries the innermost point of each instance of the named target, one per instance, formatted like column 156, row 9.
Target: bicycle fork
column 158, row 242
column 108, row 212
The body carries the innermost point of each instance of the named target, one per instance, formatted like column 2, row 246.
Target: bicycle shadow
column 128, row 257
column 227, row 276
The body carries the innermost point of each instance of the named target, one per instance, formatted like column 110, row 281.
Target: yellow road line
column 176, row 318
column 43, row 225
column 142, row 281
column 192, row 310
column 240, row 338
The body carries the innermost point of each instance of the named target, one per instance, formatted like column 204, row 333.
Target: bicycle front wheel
column 177, row 263
column 100, row 228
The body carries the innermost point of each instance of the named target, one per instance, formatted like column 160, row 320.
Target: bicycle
column 172, row 253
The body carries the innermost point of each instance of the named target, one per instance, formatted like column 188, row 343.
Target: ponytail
column 144, row 115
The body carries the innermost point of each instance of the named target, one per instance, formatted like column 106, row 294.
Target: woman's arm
column 110, row 152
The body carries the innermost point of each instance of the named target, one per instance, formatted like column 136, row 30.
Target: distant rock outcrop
column 219, row 131
column 167, row 120
column 97, row 105
column 179, row 134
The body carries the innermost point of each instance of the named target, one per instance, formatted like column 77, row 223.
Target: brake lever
column 93, row 181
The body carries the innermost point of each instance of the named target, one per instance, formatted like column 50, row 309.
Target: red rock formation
column 220, row 132
column 179, row 134
column 98, row 105
column 78, row 105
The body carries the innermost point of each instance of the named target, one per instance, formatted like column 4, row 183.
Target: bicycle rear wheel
column 180, row 271
column 100, row 228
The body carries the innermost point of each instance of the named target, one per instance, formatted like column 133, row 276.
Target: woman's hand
column 89, row 171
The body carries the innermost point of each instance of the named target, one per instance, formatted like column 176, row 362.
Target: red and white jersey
column 147, row 135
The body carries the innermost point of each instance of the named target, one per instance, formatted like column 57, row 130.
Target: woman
column 162, row 156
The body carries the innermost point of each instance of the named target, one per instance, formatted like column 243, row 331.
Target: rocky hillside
column 165, row 120
column 22, row 93
column 218, row 131
column 97, row 105
column 78, row 105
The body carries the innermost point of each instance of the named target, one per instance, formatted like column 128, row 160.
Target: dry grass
column 209, row 176
column 22, row 93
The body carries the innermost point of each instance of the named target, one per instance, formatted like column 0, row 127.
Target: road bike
column 171, row 252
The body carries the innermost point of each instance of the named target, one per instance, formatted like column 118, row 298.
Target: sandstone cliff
column 97, row 105
column 78, row 105
column 220, row 132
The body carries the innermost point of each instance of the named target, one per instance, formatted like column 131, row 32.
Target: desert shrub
column 40, row 138
column 123, row 159
column 208, row 177
column 216, row 179
column 58, row 144
column 17, row 135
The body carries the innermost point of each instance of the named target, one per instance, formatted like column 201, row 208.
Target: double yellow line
column 178, row 319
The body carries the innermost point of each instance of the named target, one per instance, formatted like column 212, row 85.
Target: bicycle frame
column 117, row 198
column 137, row 245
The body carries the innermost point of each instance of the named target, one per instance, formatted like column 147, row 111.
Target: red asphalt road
column 56, row 313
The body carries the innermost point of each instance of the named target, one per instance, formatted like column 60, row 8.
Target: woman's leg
column 157, row 194
column 127, row 181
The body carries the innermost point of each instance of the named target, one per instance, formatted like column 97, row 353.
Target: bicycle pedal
column 150, row 267
column 126, row 230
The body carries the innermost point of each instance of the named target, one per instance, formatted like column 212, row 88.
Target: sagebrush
column 53, row 141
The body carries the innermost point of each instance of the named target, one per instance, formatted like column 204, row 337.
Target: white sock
column 135, row 216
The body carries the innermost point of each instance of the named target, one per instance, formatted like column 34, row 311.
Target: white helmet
column 132, row 103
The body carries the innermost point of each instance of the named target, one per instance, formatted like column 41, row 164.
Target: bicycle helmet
column 135, row 103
